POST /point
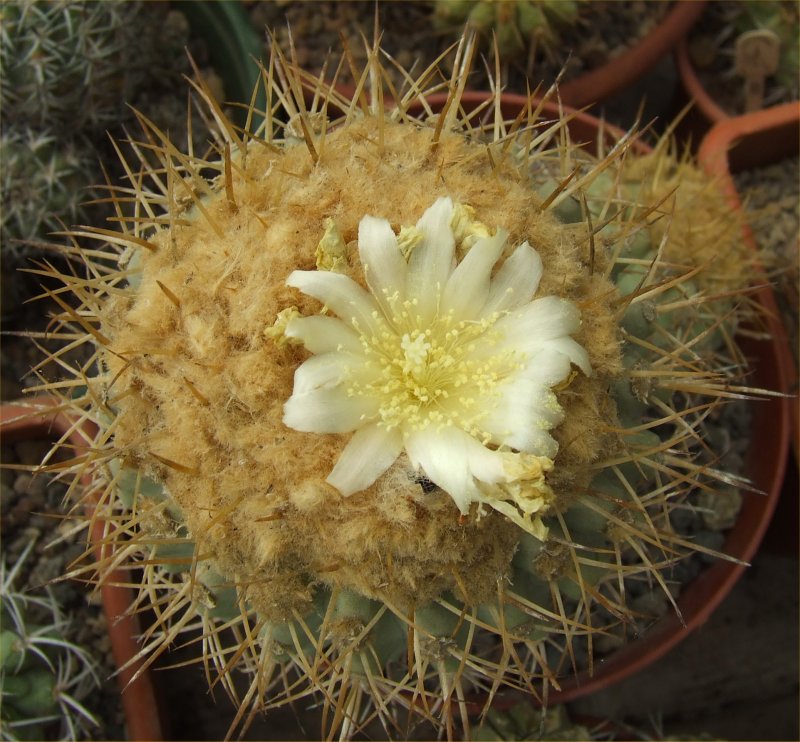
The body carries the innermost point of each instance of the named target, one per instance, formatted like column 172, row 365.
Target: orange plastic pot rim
column 41, row 417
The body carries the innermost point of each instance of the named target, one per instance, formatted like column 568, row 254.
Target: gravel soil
column 772, row 198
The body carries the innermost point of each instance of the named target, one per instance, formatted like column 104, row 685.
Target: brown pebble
column 22, row 484
column 38, row 491
column 7, row 496
column 22, row 506
column 42, row 522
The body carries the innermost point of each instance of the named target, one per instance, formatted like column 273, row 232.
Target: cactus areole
column 405, row 402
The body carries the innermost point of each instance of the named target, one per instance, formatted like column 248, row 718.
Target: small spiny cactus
column 518, row 25
column 403, row 399
column 69, row 69
column 43, row 677
column 524, row 722
column 68, row 66
column 45, row 180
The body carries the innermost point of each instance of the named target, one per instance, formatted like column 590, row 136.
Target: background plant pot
column 622, row 71
column 741, row 143
column 765, row 464
column 706, row 111
column 714, row 104
column 751, row 140
column 40, row 418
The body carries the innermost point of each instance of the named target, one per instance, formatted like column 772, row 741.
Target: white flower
column 441, row 360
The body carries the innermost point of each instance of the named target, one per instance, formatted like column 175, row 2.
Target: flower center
column 448, row 373
column 416, row 353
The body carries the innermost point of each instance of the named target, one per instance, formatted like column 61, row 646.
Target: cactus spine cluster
column 43, row 677
column 399, row 595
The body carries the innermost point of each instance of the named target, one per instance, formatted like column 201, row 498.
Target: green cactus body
column 516, row 24
column 12, row 651
column 32, row 693
column 378, row 587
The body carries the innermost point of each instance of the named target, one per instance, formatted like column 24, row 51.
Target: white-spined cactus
column 44, row 679
column 67, row 66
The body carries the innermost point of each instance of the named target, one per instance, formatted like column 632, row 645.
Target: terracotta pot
column 37, row 419
column 741, row 143
column 583, row 127
column 706, row 111
column 622, row 71
column 751, row 140
column 765, row 463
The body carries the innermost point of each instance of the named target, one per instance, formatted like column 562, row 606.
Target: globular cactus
column 43, row 677
column 67, row 65
column 45, row 183
column 402, row 400
column 518, row 25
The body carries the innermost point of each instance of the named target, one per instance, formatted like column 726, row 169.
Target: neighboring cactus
column 67, row 65
column 43, row 677
column 518, row 25
column 45, row 180
column 69, row 69
column 524, row 722
column 403, row 404
column 782, row 17
column 74, row 66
